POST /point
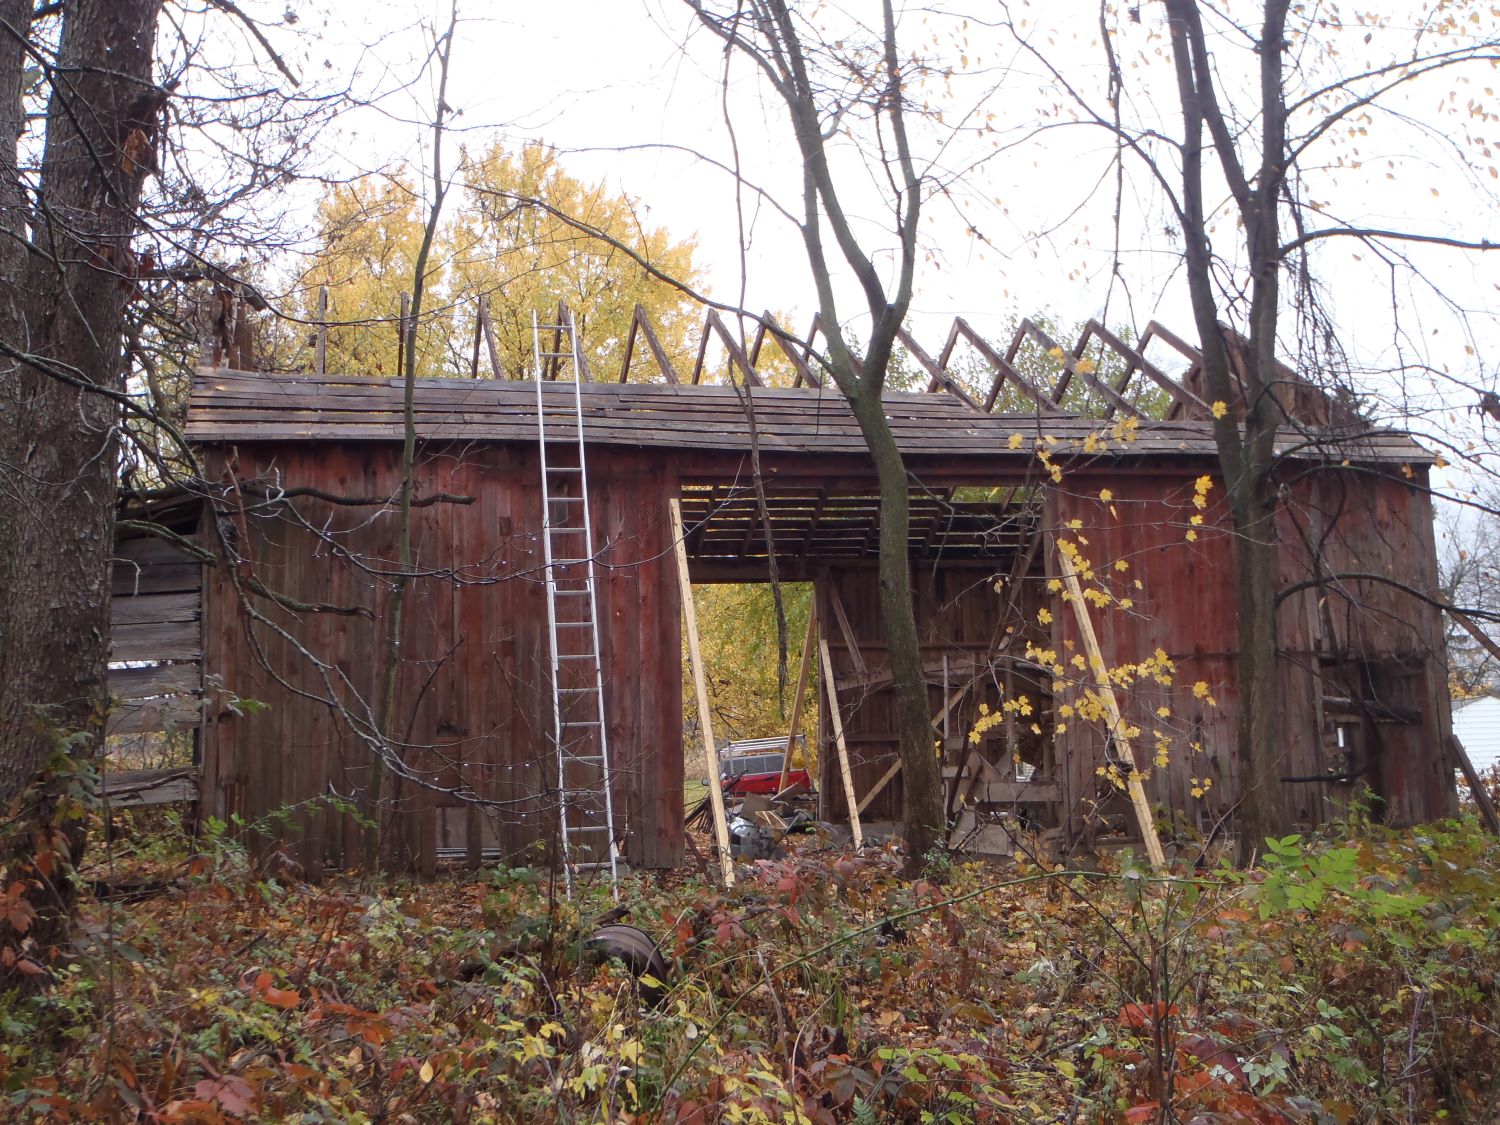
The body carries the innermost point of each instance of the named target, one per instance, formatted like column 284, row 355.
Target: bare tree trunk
column 15, row 16
column 60, row 362
column 768, row 35
column 921, row 781
column 1245, row 430
column 396, row 607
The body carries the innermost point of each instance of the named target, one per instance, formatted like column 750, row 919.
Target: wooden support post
column 791, row 734
column 478, row 338
column 843, row 747
column 700, row 686
column 489, row 338
column 1112, row 713
column 963, row 790
column 941, row 718
column 1472, row 629
column 851, row 642
column 1455, row 747
column 1476, row 785
column 321, row 352
column 403, row 334
column 876, row 789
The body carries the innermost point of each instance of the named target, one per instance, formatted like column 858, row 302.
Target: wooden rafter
column 639, row 321
column 939, row 379
column 769, row 327
column 998, row 363
column 713, row 325
column 1183, row 399
column 1072, row 367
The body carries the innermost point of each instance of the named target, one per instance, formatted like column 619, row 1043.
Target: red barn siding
column 473, row 686
column 1184, row 607
column 1368, row 637
column 1353, row 522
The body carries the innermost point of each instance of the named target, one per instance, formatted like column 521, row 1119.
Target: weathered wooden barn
column 1108, row 453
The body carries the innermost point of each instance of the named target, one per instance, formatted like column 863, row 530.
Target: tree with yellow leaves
column 518, row 239
column 369, row 234
column 515, row 243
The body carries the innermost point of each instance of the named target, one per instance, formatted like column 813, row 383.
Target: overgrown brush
column 1343, row 980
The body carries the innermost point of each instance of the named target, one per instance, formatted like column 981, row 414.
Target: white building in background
column 1476, row 724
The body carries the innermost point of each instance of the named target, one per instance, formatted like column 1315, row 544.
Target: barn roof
column 231, row 406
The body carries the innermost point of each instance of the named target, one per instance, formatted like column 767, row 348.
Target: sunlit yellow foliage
column 526, row 258
column 737, row 632
column 506, row 241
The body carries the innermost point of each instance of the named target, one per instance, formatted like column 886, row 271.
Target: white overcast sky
column 608, row 82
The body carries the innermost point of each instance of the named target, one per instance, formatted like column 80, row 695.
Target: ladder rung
column 569, row 593
column 554, row 328
column 587, row 828
column 575, row 624
column 564, row 469
column 582, row 723
column 556, row 527
column 565, row 499
column 575, row 656
column 568, row 562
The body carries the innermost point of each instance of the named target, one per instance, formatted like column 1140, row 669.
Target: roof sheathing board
column 230, row 406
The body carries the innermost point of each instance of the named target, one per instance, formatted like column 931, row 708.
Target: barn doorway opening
column 978, row 579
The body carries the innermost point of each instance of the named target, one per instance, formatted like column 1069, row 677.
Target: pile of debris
column 758, row 823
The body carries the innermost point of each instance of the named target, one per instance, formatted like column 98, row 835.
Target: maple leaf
column 233, row 1093
column 276, row 997
column 15, row 911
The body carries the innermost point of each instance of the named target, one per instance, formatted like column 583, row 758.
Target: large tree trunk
column 1262, row 810
column 1245, row 429
column 60, row 347
column 922, row 804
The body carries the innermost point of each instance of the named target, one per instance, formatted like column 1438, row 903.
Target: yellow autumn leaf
column 1220, row 408
column 425, row 1073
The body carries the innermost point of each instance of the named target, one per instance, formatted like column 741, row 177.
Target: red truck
column 753, row 765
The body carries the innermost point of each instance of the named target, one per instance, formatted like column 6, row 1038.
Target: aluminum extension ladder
column 585, row 801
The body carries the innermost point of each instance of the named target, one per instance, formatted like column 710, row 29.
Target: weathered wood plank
column 155, row 679
column 142, row 716
column 1021, row 792
column 131, row 579
column 148, row 549
column 132, row 788
column 145, row 609
column 689, row 417
column 168, row 640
